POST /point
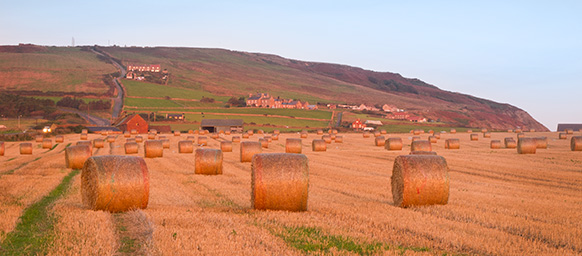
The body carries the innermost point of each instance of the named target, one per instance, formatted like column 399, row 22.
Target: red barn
column 358, row 124
column 131, row 122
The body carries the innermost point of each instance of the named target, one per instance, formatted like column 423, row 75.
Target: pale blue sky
column 526, row 53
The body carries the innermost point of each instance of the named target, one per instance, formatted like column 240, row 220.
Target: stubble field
column 500, row 203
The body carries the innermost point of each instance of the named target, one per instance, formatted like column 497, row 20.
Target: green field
column 261, row 120
column 143, row 89
column 150, row 103
column 56, row 99
column 317, row 114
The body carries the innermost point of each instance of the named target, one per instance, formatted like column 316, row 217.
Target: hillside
column 219, row 73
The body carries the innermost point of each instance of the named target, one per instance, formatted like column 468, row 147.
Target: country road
column 117, row 101
column 94, row 120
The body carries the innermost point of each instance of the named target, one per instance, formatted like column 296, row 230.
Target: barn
column 215, row 125
column 131, row 122
column 573, row 127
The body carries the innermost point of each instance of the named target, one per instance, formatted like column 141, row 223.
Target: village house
column 373, row 122
column 264, row 100
column 180, row 117
column 389, row 108
column 144, row 68
column 357, row 125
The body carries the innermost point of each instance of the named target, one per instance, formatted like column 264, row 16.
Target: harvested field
column 500, row 203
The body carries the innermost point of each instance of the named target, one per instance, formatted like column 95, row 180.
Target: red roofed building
column 131, row 122
column 144, row 68
column 356, row 125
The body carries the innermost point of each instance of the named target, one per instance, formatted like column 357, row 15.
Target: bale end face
column 576, row 143
column 248, row 149
column 420, row 180
column 279, row 181
column 208, row 161
column 26, row 148
column 153, row 149
column 318, row 146
column 474, row 137
column 185, row 147
column 393, row 144
column 526, row 146
column 541, row 142
column 76, row 156
column 293, row 146
column 115, row 183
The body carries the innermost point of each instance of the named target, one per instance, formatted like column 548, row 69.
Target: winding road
column 117, row 101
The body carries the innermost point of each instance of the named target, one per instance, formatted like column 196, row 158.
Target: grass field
column 500, row 203
column 25, row 123
column 57, row 69
column 143, row 89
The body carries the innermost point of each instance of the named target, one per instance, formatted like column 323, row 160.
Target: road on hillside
column 94, row 120
column 117, row 101
column 339, row 118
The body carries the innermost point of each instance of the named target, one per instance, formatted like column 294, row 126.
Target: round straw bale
column 226, row 146
column 264, row 143
column 190, row 131
column 452, row 144
column 334, row 131
column 416, row 132
column 202, row 140
column 275, row 137
column 421, row 145
column 138, row 139
column 510, row 130
column 383, row 131
column 151, row 136
column 110, row 138
column 380, row 141
column 483, row 130
column 268, row 138
column 165, row 143
column 84, row 131
column 517, row 130
column 576, row 143
column 177, row 133
column 432, row 139
column 293, row 146
column 84, row 142
column 431, row 132
column 104, row 133
column 208, row 161
column 279, row 182
column 192, row 138
column 235, row 138
column 154, row 131
column 98, row 143
column 215, row 136
column 26, row 148
column 161, row 137
column 437, row 136
column 131, row 147
column 250, row 132
column 326, row 138
column 422, row 153
column 520, row 135
column 248, row 149
column 130, row 140
column 245, row 135
column 562, row 136
column 220, row 131
column 469, row 131
column 126, row 134
column 303, row 135
column 260, row 131
column 47, row 143
column 196, row 132
column 59, row 139
column 319, row 132
column 495, row 144
column 133, row 131
column 84, row 136
column 453, row 131
column 510, row 142
column 420, row 180
column 339, row 139
column 153, row 148
column 366, row 134
column 393, row 144
column 569, row 131
column 115, row 183
column 227, row 132
column 38, row 138
column 333, row 136
column 526, row 146
column 541, row 142
column 415, row 138
column 474, row 136
column 2, row 148
column 318, row 145
column 276, row 132
column 486, row 135
column 377, row 134
column 185, row 146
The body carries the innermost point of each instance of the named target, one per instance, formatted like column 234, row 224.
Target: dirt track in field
column 501, row 203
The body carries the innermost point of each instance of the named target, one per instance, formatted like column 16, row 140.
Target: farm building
column 161, row 128
column 131, row 122
column 215, row 125
column 176, row 116
column 356, row 125
column 574, row 127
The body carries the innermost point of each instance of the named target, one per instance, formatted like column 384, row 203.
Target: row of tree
column 82, row 105
column 12, row 106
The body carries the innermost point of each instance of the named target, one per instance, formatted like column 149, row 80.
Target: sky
column 525, row 53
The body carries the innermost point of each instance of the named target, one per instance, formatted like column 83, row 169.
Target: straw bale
column 483, row 130
column 510, row 130
column 517, row 130
column 110, row 138
column 339, row 139
column 245, row 135
column 126, row 134
column 26, row 148
column 393, row 144
column 520, row 135
column 422, row 153
column 279, row 181
column 453, row 131
column 250, row 132
column 380, row 141
column 366, row 134
column 276, row 132
column 165, row 143
column 133, row 131
column 268, row 138
column 437, row 136
column 569, row 131
column 474, row 137
column 154, row 131
column 377, row 134
column 202, row 140
column 47, row 143
column 264, row 143
column 334, row 131
column 75, row 156
column 431, row 132
column 130, row 140
column 59, row 139
column 196, row 132
column 215, row 135
column 104, row 133
column 192, row 138
column 415, row 138
column 432, row 139
column 526, row 146
column 452, row 144
column 235, row 138
column 151, row 136
column 420, row 180
column 115, row 183
column 2, row 148
column 84, row 136
column 532, row 130
column 576, row 143
column 275, row 137
column 421, row 145
column 227, row 132
column 84, row 142
column 138, row 139
column 326, row 138
column 562, row 136
column 226, row 146
column 469, row 131
column 248, row 149
column 416, row 132
column 383, row 131
column 319, row 132
column 84, row 131
column 486, row 135
column 318, row 145
column 177, row 133
column 208, row 161
column 220, row 132
column 510, row 142
column 38, row 138
column 541, row 142
column 153, row 148
column 303, row 135
column 293, row 146
column 131, row 147
column 495, row 144
column 185, row 146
